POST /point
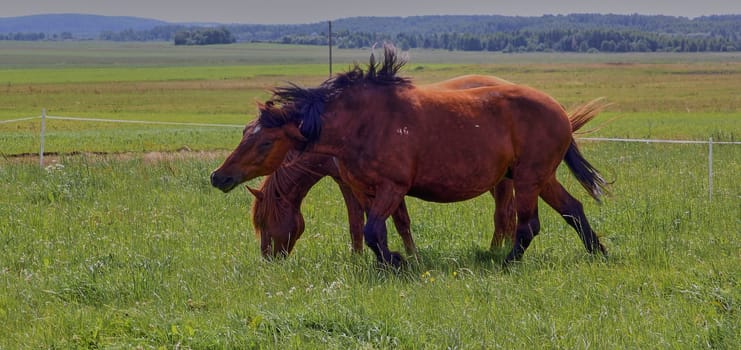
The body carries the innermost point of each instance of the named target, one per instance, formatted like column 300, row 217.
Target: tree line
column 179, row 35
column 207, row 36
column 35, row 36
column 563, row 33
column 558, row 33
column 556, row 40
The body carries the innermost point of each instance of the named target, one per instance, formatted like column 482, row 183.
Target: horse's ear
column 261, row 106
column 255, row 192
column 294, row 132
column 311, row 123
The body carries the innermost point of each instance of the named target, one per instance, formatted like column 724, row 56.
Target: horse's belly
column 442, row 195
column 454, row 186
column 459, row 177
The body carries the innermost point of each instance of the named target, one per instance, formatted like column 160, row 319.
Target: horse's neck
column 331, row 142
column 293, row 181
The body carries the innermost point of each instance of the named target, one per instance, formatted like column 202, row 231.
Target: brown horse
column 276, row 210
column 392, row 138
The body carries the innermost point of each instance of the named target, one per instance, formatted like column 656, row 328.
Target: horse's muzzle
column 222, row 182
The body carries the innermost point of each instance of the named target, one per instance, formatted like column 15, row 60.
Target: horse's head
column 260, row 152
column 278, row 223
column 292, row 118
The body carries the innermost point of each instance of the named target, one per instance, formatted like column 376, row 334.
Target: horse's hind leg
column 528, row 223
column 572, row 211
column 505, row 215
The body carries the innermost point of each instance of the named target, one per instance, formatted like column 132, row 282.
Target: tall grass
column 131, row 253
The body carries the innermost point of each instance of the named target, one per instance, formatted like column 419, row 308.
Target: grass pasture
column 130, row 249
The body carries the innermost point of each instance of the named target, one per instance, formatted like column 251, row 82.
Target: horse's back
column 468, row 82
column 502, row 105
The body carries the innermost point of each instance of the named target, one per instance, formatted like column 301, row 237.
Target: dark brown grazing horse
column 392, row 138
column 276, row 210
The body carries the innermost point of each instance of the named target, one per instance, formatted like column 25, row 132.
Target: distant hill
column 80, row 26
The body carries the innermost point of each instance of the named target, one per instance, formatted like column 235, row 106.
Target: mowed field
column 119, row 241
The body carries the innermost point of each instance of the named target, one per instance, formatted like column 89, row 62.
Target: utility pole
column 330, row 48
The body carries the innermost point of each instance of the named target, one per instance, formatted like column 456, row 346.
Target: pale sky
column 308, row 11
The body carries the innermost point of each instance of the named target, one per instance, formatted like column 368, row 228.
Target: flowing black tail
column 584, row 172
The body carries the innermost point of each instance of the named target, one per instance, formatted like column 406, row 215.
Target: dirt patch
column 147, row 157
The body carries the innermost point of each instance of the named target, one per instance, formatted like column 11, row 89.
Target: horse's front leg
column 402, row 223
column 385, row 202
column 355, row 217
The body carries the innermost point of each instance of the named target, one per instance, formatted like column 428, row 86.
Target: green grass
column 107, row 54
column 679, row 101
column 159, row 54
column 139, row 251
column 126, row 253
column 147, row 74
column 156, row 81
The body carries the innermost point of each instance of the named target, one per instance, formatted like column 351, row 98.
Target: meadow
column 112, row 246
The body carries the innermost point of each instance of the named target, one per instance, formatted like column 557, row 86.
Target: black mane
column 293, row 103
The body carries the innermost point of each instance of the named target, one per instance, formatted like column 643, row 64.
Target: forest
column 204, row 36
column 550, row 33
column 556, row 40
column 563, row 33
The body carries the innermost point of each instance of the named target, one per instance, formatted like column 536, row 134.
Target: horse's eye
column 265, row 146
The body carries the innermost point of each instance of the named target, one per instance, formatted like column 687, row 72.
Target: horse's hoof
column 394, row 260
column 603, row 250
column 598, row 247
column 513, row 256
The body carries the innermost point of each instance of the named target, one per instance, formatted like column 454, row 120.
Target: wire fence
column 151, row 122
column 44, row 117
column 126, row 121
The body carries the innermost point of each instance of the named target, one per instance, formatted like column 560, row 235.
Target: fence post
column 710, row 169
column 43, row 129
